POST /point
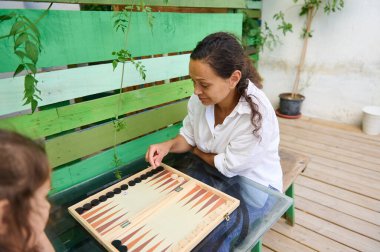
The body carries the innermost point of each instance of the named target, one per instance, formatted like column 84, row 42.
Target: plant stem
column 303, row 53
column 121, row 83
column 35, row 23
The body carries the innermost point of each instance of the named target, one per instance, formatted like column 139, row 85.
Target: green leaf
column 34, row 105
column 27, row 101
column 16, row 27
column 7, row 17
column 31, row 25
column 29, row 85
column 21, row 39
column 34, row 38
column 114, row 64
column 19, row 69
column 31, row 51
column 21, row 54
column 39, row 98
column 32, row 67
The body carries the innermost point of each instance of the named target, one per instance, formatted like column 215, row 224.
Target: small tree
column 308, row 9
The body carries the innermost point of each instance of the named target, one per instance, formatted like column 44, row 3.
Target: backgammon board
column 157, row 209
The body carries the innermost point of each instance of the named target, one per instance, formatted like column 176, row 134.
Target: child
column 24, row 185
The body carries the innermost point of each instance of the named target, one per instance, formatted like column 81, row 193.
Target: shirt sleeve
column 187, row 130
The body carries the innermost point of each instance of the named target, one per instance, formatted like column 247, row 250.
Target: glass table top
column 260, row 207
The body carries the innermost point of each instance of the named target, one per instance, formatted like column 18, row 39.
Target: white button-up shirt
column 238, row 151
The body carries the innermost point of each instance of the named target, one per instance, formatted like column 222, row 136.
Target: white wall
column 342, row 71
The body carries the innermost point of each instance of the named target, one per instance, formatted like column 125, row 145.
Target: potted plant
column 290, row 103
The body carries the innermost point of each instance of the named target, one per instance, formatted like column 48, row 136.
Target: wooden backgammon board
column 157, row 209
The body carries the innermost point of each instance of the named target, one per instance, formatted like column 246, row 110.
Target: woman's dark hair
column 223, row 52
column 23, row 169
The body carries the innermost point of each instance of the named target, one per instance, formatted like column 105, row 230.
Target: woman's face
column 208, row 86
column 40, row 209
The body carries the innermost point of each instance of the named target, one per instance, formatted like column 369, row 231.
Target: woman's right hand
column 156, row 152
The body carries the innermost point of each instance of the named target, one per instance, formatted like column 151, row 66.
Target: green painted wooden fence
column 177, row 3
column 80, row 134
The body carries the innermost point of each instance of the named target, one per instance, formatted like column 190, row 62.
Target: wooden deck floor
column 337, row 196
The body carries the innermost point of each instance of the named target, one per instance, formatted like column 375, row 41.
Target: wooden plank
column 52, row 121
column 250, row 4
column 251, row 13
column 339, row 164
column 72, row 146
column 339, row 193
column 73, row 37
column 180, row 3
column 345, row 131
column 293, row 143
column 344, row 220
column 342, row 183
column 335, row 232
column 332, row 141
column 309, row 237
column 266, row 249
column 357, row 179
column 279, row 242
column 332, row 146
column 346, row 167
column 339, row 205
column 71, row 175
column 292, row 165
column 72, row 83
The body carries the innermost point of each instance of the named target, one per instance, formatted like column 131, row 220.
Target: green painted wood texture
column 257, row 5
column 77, row 82
column 73, row 37
column 179, row 3
column 52, row 121
column 71, row 175
column 70, row 147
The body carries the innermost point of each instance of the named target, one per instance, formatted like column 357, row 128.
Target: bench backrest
column 79, row 103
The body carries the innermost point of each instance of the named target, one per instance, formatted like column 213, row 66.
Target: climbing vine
column 122, row 22
column 27, row 47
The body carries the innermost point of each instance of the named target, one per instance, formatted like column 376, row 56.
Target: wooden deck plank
column 362, row 171
column 266, row 249
column 279, row 242
column 347, row 167
column 333, row 147
column 336, row 232
column 343, row 174
column 333, row 141
column 309, row 237
column 337, row 217
column 337, row 196
column 332, row 128
column 339, row 205
column 337, row 192
column 333, row 153
column 342, row 183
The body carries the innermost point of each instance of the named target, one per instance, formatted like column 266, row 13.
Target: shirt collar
column 241, row 108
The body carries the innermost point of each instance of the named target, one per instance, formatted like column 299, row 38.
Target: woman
column 24, row 185
column 231, row 124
